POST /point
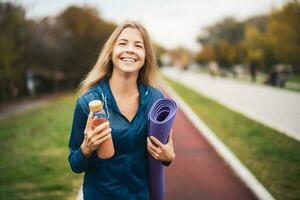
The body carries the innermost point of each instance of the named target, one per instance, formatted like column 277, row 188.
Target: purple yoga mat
column 160, row 120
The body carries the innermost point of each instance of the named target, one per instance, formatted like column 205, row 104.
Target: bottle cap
column 95, row 105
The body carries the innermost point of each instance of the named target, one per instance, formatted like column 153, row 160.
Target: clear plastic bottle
column 106, row 149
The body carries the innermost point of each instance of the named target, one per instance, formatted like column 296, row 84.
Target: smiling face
column 129, row 52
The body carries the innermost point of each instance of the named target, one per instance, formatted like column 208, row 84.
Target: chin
column 129, row 69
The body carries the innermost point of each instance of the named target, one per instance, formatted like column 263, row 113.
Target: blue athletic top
column 125, row 175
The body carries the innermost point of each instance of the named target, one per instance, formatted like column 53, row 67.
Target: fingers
column 152, row 147
column 157, row 142
column 101, row 127
column 171, row 137
column 160, row 151
column 90, row 134
column 153, row 153
column 102, row 134
column 151, row 150
column 102, row 139
column 89, row 121
column 97, row 139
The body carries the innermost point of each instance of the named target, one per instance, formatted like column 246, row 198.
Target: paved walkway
column 15, row 108
column 198, row 172
column 273, row 107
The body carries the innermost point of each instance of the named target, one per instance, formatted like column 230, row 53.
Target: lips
column 128, row 59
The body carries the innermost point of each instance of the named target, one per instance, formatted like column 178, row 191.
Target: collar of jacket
column 105, row 90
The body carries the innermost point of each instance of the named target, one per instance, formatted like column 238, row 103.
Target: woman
column 122, row 79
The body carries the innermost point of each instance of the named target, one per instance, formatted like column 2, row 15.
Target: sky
column 171, row 23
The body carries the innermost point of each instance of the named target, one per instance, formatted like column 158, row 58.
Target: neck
column 123, row 84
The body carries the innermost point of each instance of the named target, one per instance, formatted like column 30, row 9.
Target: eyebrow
column 138, row 41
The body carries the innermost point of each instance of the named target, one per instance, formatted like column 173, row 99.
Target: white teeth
column 128, row 60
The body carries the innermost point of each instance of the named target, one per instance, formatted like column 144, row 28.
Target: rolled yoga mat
column 160, row 120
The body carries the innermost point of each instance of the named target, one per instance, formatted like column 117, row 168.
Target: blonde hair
column 104, row 66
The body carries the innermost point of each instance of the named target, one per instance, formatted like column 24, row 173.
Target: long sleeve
column 76, row 159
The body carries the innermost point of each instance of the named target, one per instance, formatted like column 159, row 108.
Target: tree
column 12, row 20
column 223, row 43
column 235, row 42
column 180, row 57
column 46, row 43
column 228, row 29
column 64, row 46
column 159, row 51
column 206, row 55
column 88, row 32
column 284, row 33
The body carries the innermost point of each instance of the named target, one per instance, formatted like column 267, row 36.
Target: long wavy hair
column 104, row 67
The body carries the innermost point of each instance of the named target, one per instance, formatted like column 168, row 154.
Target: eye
column 139, row 46
column 121, row 43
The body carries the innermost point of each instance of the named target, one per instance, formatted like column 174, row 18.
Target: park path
column 276, row 108
column 17, row 107
column 198, row 172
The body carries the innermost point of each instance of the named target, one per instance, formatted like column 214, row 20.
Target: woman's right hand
column 94, row 137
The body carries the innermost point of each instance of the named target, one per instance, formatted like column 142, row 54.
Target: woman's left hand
column 160, row 151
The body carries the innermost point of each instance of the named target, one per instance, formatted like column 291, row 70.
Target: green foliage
column 268, row 39
column 12, row 20
column 206, row 55
column 295, row 78
column 159, row 51
column 59, row 50
column 259, row 47
column 222, row 43
column 88, row 33
column 228, row 29
column 284, row 33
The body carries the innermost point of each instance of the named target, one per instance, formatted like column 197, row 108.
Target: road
column 276, row 108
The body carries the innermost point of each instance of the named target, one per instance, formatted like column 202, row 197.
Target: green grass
column 271, row 156
column 295, row 78
column 34, row 151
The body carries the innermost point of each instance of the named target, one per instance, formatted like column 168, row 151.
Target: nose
column 129, row 49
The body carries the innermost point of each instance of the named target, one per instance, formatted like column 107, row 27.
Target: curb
column 235, row 164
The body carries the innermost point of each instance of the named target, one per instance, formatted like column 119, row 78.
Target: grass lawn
column 34, row 151
column 271, row 156
column 295, row 78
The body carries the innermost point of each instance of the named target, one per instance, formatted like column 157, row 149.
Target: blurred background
column 46, row 48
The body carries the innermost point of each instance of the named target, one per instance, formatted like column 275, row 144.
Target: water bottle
column 106, row 149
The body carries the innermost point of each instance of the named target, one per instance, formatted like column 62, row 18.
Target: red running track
column 198, row 172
